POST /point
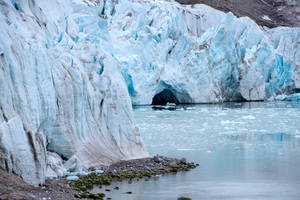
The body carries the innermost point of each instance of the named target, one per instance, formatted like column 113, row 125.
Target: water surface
column 245, row 151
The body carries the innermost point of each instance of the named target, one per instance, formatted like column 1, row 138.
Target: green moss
column 101, row 195
column 174, row 169
column 87, row 182
column 87, row 195
column 93, row 196
column 84, row 195
column 184, row 198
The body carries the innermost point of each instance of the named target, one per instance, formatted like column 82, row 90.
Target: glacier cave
column 164, row 97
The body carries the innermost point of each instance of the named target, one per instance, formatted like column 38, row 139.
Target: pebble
column 156, row 159
column 183, row 160
column 146, row 167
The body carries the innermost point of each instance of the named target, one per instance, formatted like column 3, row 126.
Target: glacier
column 202, row 55
column 70, row 71
column 61, row 92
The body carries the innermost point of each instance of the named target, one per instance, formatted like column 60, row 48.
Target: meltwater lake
column 245, row 151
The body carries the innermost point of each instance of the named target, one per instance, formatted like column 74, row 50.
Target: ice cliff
column 60, row 90
column 65, row 65
column 196, row 54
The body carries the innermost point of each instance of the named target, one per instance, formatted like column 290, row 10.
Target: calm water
column 245, row 151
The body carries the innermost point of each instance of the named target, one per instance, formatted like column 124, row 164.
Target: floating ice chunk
column 293, row 97
column 249, row 117
column 231, row 122
column 185, row 149
column 280, row 97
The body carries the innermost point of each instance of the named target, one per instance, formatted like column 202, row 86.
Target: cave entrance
column 164, row 97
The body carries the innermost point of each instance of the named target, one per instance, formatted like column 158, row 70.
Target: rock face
column 60, row 89
column 270, row 13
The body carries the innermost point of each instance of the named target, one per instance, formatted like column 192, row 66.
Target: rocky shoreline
column 128, row 170
column 13, row 187
column 79, row 185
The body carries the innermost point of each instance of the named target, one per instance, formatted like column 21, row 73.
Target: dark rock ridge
column 270, row 13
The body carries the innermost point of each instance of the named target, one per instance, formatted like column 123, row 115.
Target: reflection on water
column 245, row 151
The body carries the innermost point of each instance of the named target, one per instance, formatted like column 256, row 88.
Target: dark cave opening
column 296, row 90
column 164, row 97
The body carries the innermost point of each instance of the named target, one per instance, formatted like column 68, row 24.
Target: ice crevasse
column 70, row 70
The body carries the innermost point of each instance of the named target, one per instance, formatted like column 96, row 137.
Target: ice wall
column 200, row 54
column 60, row 89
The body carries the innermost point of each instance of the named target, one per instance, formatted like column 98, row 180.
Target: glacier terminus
column 71, row 70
